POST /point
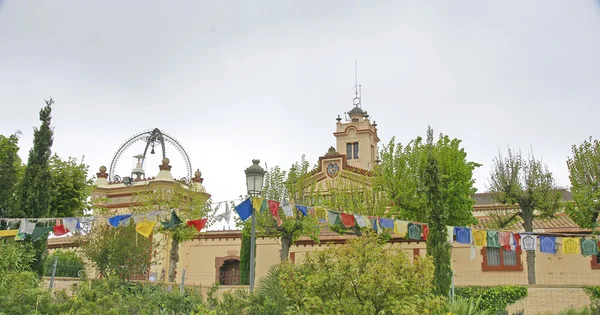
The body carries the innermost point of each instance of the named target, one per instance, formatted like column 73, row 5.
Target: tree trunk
column 286, row 243
column 173, row 259
column 527, row 215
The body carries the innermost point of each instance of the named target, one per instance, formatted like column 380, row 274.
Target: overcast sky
column 237, row 80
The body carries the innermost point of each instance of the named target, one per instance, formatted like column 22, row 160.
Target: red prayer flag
column 505, row 240
column 425, row 231
column 347, row 219
column 198, row 224
column 274, row 208
column 59, row 229
column 517, row 238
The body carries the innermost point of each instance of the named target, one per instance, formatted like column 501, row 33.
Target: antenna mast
column 357, row 93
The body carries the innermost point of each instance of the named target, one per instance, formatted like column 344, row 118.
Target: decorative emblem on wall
column 333, row 169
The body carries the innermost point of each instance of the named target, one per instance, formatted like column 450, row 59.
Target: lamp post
column 254, row 182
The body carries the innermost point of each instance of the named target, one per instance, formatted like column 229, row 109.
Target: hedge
column 493, row 298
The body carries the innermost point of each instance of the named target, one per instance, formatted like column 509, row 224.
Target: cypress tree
column 245, row 255
column 33, row 193
column 10, row 169
column 437, row 241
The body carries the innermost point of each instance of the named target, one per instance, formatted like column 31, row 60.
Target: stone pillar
column 165, row 170
column 101, row 177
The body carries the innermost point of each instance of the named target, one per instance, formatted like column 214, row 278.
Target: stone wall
column 550, row 299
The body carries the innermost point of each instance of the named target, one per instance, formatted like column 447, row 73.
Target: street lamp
column 254, row 182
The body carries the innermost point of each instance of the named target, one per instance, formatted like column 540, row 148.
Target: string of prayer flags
column 347, row 219
column 60, row 229
column 375, row 224
column 287, row 209
column 492, row 239
column 173, row 222
column 589, row 247
column 570, row 245
column 414, row 231
column 333, row 218
column 274, row 208
column 548, row 244
column 463, row 235
column 401, row 227
column 479, row 238
column 528, row 242
column 198, row 224
column 302, row 209
column 244, row 209
column 116, row 220
column 145, row 227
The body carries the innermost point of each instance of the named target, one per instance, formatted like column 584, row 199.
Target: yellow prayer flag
column 400, row 227
column 321, row 213
column 256, row 203
column 8, row 232
column 570, row 245
column 145, row 227
column 480, row 237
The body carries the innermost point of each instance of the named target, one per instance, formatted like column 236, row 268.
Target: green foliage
column 10, row 172
column 245, row 255
column 584, row 173
column 68, row 264
column 35, row 188
column 438, row 246
column 14, row 257
column 462, row 306
column 401, row 173
column 21, row 294
column 70, row 187
column 119, row 252
column 360, row 277
column 492, row 298
column 594, row 294
column 528, row 183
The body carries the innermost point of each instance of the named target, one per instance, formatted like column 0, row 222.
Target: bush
column 69, row 264
column 594, row 294
column 462, row 306
column 493, row 298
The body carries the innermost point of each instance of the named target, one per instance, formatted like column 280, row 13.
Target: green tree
column 245, row 255
column 190, row 202
column 34, row 191
column 10, row 172
column 295, row 187
column 360, row 277
column 584, row 173
column 118, row 252
column 69, row 264
column 529, row 184
column 438, row 246
column 70, row 187
column 401, row 173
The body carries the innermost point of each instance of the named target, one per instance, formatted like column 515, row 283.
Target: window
column 595, row 262
column 352, row 150
column 500, row 259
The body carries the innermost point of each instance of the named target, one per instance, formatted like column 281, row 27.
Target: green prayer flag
column 334, row 217
column 264, row 206
column 175, row 221
column 414, row 231
column 589, row 247
column 39, row 232
column 493, row 239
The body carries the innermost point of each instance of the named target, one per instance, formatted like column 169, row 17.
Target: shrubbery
column 495, row 298
column 68, row 265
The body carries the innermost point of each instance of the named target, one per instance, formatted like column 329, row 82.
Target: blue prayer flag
column 386, row 223
column 548, row 244
column 244, row 209
column 114, row 221
column 302, row 209
column 463, row 235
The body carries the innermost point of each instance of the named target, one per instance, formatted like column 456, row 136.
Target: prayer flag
column 492, row 239
column 528, row 242
column 173, row 222
column 570, row 245
column 334, row 217
column 145, row 228
column 287, row 209
column 347, row 219
column 479, row 238
column 274, row 208
column 244, row 209
column 463, row 235
column 548, row 244
column 264, row 205
column 514, row 241
column 60, row 229
column 302, row 209
column 137, row 218
column 39, row 232
column 72, row 224
column 116, row 220
column 26, row 227
column 414, row 231
column 256, row 203
column 473, row 255
column 589, row 247
column 361, row 221
column 4, row 233
column 198, row 224
column 401, row 227
column 425, row 231
column 505, row 238
column 450, row 231
column 224, row 216
column 386, row 223
column 321, row 214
